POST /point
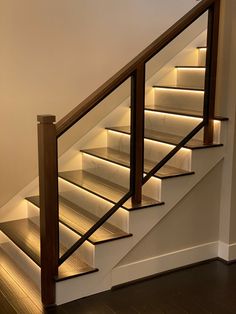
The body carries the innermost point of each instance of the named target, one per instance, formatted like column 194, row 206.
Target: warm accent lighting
column 175, row 116
column 165, row 145
column 179, row 90
column 120, row 218
column 190, row 69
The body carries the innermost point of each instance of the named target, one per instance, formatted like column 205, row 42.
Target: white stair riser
column 177, row 98
column 94, row 204
column 153, row 151
column 67, row 237
column 171, row 123
column 121, row 175
column 192, row 78
column 140, row 222
column 23, row 261
column 202, row 57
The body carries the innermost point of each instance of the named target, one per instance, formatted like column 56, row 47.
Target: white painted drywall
column 226, row 100
column 53, row 54
column 193, row 221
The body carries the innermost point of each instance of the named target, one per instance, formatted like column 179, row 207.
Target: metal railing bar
column 98, row 224
column 173, row 152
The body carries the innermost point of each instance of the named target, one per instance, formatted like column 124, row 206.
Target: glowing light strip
column 176, row 116
column 180, row 89
column 90, row 194
column 191, row 69
column 112, row 164
column 172, row 146
column 121, row 212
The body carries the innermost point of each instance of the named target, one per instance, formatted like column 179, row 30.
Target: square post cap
column 46, row 118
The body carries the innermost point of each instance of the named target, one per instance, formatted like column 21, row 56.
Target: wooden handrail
column 108, row 87
column 50, row 132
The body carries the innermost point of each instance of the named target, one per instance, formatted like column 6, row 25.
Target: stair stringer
column 109, row 254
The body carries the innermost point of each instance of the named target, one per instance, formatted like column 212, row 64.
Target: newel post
column 48, row 188
column 211, row 70
column 137, row 132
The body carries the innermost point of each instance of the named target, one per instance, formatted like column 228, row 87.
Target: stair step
column 80, row 220
column 187, row 93
column 26, row 235
column 165, row 138
column 123, row 159
column 181, row 88
column 16, row 285
column 181, row 112
column 103, row 188
column 191, row 76
column 190, row 67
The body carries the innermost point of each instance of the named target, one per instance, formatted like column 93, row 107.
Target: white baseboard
column 159, row 264
column 232, row 251
column 227, row 251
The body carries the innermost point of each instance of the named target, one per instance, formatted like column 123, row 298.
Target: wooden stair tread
column 25, row 235
column 194, row 89
column 123, row 159
column 80, row 220
column 166, row 138
column 181, row 112
column 103, row 188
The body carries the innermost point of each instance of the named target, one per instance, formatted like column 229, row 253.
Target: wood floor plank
column 207, row 288
column 203, row 289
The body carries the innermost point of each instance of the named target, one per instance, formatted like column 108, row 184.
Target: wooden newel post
column 137, row 133
column 48, row 188
column 211, row 70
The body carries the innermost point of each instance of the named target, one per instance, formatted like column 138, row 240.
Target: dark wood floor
column 203, row 289
column 208, row 288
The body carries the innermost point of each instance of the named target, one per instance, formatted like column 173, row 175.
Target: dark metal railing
column 48, row 133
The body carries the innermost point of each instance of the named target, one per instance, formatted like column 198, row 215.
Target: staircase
column 88, row 193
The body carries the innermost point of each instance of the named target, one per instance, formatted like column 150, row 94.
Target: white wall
column 226, row 97
column 193, row 221
column 55, row 53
